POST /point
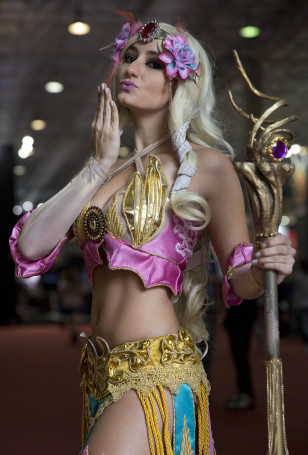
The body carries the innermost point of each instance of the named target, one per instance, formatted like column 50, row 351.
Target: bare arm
column 228, row 228
column 51, row 221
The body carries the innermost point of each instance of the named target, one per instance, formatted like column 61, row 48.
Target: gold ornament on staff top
column 265, row 172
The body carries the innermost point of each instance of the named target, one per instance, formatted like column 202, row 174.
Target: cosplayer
column 144, row 229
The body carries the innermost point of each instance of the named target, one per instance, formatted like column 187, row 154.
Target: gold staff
column 264, row 172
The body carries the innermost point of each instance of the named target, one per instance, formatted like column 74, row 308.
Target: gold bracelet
column 260, row 238
column 253, row 276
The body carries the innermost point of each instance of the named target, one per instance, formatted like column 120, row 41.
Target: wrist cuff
column 241, row 256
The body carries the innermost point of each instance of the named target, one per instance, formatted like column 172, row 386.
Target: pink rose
column 179, row 57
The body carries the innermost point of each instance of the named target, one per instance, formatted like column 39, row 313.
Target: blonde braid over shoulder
column 193, row 122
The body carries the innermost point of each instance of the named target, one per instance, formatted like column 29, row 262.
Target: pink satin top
column 157, row 249
column 161, row 261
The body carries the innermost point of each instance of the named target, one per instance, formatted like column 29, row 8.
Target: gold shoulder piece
column 144, row 203
column 114, row 226
column 78, row 226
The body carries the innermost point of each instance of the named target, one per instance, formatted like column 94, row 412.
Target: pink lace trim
column 188, row 238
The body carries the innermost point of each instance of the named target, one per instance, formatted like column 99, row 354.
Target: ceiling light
column 19, row 170
column 249, row 31
column 79, row 28
column 17, row 210
column 28, row 141
column 27, row 205
column 285, row 220
column 295, row 149
column 38, row 124
column 54, row 87
column 26, row 148
column 25, row 152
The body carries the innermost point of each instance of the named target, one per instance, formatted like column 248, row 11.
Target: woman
column 141, row 227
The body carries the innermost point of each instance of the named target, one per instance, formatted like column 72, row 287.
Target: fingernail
column 263, row 245
column 103, row 86
column 106, row 90
column 112, row 103
column 258, row 254
column 254, row 261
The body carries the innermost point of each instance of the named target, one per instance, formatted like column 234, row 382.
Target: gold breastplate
column 143, row 209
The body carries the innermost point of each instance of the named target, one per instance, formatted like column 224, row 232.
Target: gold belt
column 169, row 360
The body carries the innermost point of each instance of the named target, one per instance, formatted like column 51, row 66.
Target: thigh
column 122, row 430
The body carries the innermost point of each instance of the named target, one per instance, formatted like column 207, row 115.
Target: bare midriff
column 124, row 310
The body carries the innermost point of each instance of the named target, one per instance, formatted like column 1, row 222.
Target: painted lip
column 127, row 85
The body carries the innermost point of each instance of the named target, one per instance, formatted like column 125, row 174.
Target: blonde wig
column 193, row 103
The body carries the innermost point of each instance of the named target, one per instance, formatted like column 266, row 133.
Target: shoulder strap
column 138, row 155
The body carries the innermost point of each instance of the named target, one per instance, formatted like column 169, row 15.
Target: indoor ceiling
column 35, row 47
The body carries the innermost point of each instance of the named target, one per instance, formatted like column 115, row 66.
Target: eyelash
column 156, row 65
column 131, row 58
column 127, row 57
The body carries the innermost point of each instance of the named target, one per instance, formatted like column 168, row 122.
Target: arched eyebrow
column 135, row 49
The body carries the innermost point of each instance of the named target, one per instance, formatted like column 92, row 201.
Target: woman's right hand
column 105, row 129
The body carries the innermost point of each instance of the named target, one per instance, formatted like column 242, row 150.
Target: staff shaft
column 277, row 441
column 271, row 315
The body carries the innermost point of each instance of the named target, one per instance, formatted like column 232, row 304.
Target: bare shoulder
column 218, row 182
column 211, row 159
column 214, row 168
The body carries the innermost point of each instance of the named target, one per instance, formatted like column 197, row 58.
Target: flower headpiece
column 177, row 55
column 179, row 58
column 121, row 39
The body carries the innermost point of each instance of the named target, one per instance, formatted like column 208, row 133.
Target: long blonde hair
column 193, row 103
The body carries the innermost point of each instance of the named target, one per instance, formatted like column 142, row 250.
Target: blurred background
column 50, row 66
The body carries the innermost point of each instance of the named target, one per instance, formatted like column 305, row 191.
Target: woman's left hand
column 277, row 254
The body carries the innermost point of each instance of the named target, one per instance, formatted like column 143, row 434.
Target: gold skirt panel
column 143, row 365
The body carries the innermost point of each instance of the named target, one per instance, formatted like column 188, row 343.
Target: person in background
column 239, row 324
column 299, row 301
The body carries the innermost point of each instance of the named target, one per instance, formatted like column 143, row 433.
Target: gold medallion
column 94, row 224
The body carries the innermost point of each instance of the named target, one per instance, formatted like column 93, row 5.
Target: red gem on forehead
column 148, row 30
